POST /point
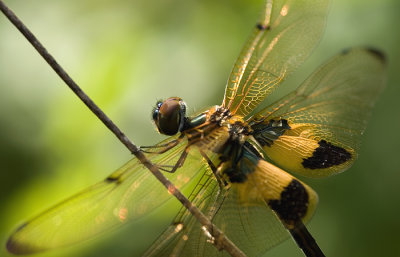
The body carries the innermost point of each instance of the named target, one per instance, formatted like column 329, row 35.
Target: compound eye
column 156, row 111
column 169, row 115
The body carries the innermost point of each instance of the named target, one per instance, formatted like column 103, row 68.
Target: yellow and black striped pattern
column 290, row 198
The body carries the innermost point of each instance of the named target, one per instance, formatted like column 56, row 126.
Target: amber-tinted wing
column 284, row 37
column 240, row 211
column 316, row 130
column 128, row 193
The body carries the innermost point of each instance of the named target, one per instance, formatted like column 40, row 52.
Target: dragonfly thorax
column 235, row 127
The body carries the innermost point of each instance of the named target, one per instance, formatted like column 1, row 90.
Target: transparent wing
column 254, row 229
column 245, row 219
column 327, row 114
column 175, row 240
column 286, row 34
column 127, row 194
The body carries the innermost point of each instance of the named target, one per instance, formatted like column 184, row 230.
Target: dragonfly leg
column 220, row 197
column 178, row 164
column 163, row 147
column 222, row 183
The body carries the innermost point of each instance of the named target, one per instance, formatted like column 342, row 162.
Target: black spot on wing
column 111, row 179
column 377, row 53
column 262, row 27
column 326, row 155
column 293, row 203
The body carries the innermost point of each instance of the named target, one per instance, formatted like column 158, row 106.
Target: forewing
column 127, row 194
column 284, row 37
column 238, row 211
column 327, row 115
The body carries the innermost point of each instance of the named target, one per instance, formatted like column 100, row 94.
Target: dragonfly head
column 169, row 115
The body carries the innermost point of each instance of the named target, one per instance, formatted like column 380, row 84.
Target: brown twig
column 226, row 244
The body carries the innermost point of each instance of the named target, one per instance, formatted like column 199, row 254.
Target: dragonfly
column 232, row 159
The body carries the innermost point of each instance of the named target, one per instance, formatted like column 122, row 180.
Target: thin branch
column 222, row 240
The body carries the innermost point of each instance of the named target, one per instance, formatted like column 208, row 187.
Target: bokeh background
column 128, row 54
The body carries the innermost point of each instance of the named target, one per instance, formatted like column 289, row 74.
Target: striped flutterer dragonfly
column 233, row 159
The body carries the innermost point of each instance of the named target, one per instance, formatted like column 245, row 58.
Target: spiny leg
column 178, row 164
column 217, row 205
column 222, row 183
column 167, row 146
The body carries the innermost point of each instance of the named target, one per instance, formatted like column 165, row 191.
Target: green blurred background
column 128, row 54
